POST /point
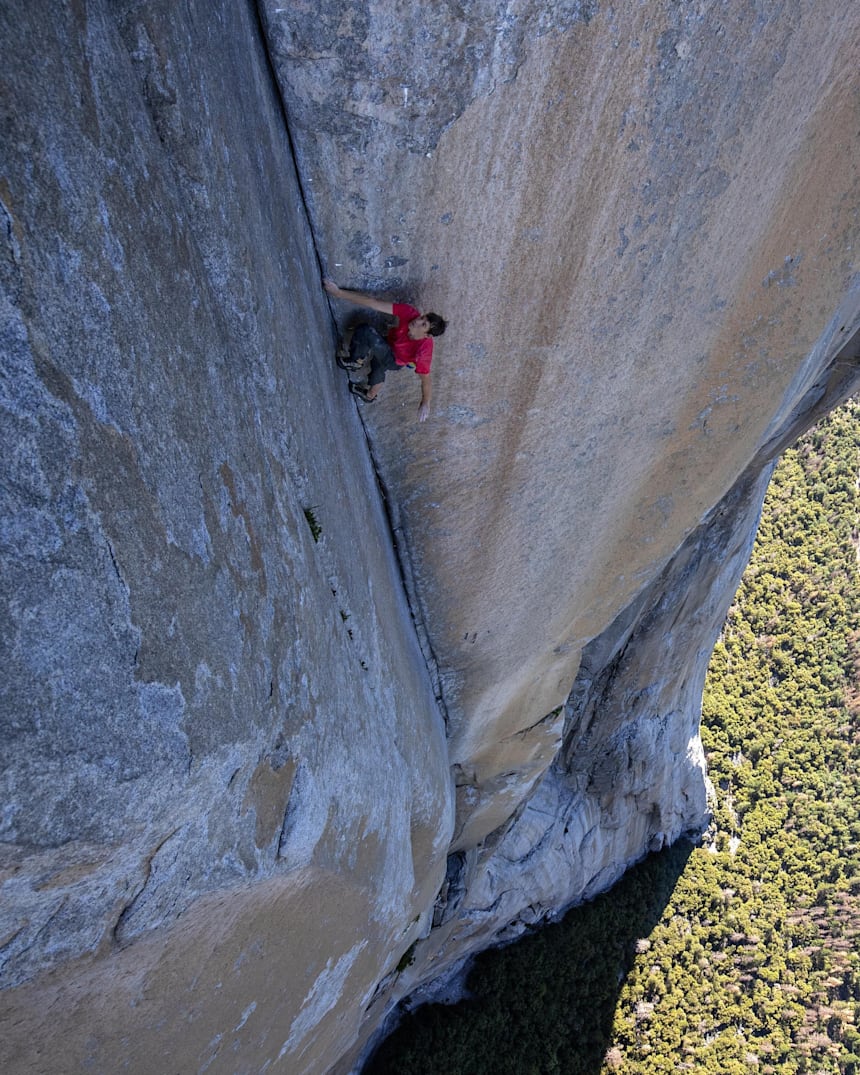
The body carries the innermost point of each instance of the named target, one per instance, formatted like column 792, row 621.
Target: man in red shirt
column 409, row 343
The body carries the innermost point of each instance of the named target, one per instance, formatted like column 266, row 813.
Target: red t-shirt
column 415, row 353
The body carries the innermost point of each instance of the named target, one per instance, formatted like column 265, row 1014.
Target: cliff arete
column 302, row 706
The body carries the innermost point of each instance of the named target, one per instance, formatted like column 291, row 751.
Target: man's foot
column 361, row 390
column 342, row 359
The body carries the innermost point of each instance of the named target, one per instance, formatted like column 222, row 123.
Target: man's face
column 418, row 328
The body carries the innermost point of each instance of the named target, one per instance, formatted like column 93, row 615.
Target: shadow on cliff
column 546, row 1003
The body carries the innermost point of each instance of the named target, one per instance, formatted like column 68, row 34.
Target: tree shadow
column 546, row 1003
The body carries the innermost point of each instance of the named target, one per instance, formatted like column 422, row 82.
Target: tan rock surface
column 642, row 236
column 641, row 224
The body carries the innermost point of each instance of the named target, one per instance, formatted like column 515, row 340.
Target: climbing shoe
column 342, row 359
column 361, row 391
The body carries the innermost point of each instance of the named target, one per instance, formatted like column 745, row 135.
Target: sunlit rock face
column 640, row 223
column 235, row 831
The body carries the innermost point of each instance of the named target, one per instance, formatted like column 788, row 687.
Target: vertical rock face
column 226, row 800
column 234, row 833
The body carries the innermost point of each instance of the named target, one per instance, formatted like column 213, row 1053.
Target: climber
column 409, row 342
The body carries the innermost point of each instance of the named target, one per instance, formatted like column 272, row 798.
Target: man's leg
column 377, row 376
column 365, row 341
column 382, row 361
column 368, row 343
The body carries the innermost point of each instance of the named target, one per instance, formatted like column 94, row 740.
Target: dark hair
column 437, row 324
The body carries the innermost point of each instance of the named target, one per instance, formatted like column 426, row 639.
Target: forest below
column 740, row 954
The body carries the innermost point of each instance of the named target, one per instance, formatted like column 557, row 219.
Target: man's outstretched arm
column 358, row 299
column 426, row 394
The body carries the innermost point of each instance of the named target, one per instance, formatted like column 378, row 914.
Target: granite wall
column 226, row 800
column 303, row 705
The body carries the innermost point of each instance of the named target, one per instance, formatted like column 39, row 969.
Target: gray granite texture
column 217, row 723
column 302, row 705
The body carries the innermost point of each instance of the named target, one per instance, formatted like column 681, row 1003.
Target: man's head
column 437, row 324
column 426, row 325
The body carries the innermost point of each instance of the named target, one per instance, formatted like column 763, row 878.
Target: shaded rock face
column 226, row 796
column 230, row 809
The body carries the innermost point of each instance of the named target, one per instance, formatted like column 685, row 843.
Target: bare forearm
column 358, row 299
column 426, row 394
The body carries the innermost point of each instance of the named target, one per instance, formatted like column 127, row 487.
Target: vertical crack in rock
column 269, row 37
column 453, row 889
column 117, row 570
column 407, row 578
column 259, row 9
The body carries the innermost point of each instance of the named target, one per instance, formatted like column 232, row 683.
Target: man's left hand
column 423, row 412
